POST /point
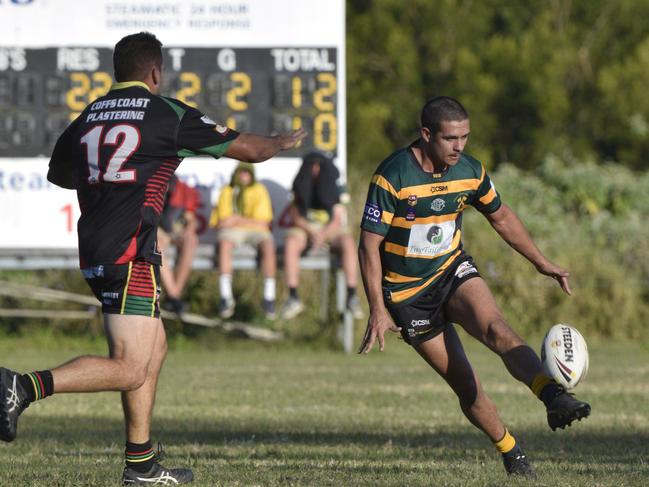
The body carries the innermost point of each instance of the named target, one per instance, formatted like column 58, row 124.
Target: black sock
column 351, row 292
column 550, row 391
column 139, row 456
column 292, row 292
column 38, row 385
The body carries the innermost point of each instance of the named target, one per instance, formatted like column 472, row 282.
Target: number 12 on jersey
column 126, row 138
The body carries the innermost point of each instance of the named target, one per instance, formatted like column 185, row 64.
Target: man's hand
column 377, row 325
column 558, row 273
column 258, row 148
column 291, row 139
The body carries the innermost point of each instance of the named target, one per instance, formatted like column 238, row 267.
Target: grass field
column 245, row 414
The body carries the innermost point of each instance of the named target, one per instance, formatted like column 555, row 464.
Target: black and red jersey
column 119, row 155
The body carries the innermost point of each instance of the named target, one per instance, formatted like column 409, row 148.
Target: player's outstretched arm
column 511, row 230
column 258, row 148
column 380, row 320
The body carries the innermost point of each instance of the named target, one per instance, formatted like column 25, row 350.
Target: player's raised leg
column 474, row 307
column 123, row 371
column 446, row 355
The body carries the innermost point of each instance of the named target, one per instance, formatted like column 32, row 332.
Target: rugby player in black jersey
column 419, row 280
column 119, row 156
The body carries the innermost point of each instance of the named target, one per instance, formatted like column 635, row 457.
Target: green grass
column 244, row 414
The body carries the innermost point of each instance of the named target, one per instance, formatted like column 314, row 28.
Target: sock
column 139, row 456
column 225, row 286
column 269, row 288
column 292, row 292
column 38, row 385
column 545, row 388
column 506, row 444
column 351, row 291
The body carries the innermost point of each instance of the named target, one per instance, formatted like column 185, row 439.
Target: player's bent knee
column 467, row 393
column 135, row 378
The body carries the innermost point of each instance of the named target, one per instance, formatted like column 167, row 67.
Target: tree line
column 565, row 78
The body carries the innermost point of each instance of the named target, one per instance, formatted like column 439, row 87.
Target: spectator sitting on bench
column 318, row 218
column 243, row 216
column 178, row 227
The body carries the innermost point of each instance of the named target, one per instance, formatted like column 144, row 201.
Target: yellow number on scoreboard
column 190, row 86
column 86, row 89
column 325, row 132
column 76, row 97
column 236, row 95
column 296, row 92
column 323, row 97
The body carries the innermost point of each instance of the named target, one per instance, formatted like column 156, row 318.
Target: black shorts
column 126, row 289
column 424, row 318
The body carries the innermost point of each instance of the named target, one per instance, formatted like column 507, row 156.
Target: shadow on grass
column 95, row 436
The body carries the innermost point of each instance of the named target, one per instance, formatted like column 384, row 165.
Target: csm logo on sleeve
column 373, row 212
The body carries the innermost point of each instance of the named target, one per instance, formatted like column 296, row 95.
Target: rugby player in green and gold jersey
column 419, row 280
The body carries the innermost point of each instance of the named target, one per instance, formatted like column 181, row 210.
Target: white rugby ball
column 565, row 355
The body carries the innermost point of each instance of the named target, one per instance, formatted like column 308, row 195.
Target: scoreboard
column 259, row 90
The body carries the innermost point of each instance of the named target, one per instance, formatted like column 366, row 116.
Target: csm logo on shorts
column 419, row 322
column 373, row 213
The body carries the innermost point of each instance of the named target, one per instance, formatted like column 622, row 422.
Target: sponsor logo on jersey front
column 461, row 201
column 435, row 235
column 437, row 204
column 439, row 188
column 410, row 215
column 431, row 240
column 373, row 213
column 412, row 200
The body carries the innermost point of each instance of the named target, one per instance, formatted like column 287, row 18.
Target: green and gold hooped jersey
column 420, row 216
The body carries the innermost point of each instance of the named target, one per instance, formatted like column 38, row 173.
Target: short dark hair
column 135, row 55
column 442, row 109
